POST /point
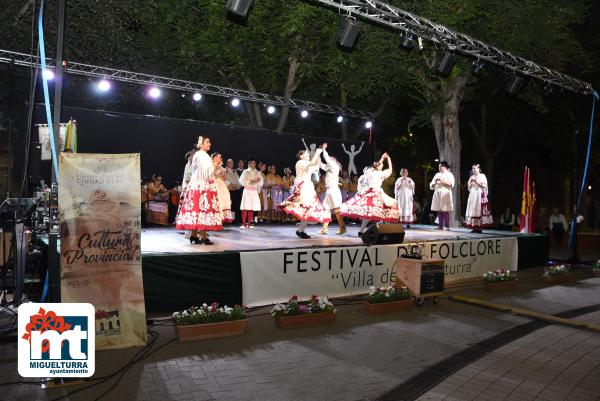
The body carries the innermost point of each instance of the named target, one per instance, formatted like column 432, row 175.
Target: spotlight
column 410, row 134
column 270, row 109
column 514, row 84
column 437, row 160
column 478, row 67
column 197, row 97
column 368, row 125
column 49, row 75
column 235, row 102
column 154, row 92
column 406, row 42
column 239, row 8
column 444, row 63
column 589, row 187
column 304, row 114
column 348, row 35
column 103, row 85
column 340, row 119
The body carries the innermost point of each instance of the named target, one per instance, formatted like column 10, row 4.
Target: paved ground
column 362, row 357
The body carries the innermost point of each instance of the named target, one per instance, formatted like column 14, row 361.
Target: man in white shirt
column 558, row 225
column 232, row 180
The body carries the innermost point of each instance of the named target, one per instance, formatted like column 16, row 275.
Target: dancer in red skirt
column 478, row 215
column 372, row 203
column 200, row 211
column 303, row 202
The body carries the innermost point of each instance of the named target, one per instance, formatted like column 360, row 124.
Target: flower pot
column 205, row 331
column 557, row 278
column 305, row 320
column 500, row 286
column 387, row 307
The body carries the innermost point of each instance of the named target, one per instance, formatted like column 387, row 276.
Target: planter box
column 501, row 286
column 305, row 320
column 387, row 307
column 559, row 278
column 205, row 331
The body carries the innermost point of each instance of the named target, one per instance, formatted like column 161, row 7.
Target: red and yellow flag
column 527, row 221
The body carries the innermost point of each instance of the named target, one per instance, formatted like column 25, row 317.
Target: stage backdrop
column 100, row 255
column 274, row 276
column 163, row 142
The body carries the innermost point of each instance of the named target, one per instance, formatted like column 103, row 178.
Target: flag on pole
column 527, row 221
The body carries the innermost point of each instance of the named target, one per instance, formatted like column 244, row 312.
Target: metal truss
column 410, row 24
column 27, row 60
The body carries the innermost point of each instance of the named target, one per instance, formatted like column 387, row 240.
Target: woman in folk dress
column 442, row 184
column 303, row 202
column 372, row 203
column 252, row 181
column 478, row 215
column 405, row 191
column 222, row 190
column 200, row 211
column 275, row 184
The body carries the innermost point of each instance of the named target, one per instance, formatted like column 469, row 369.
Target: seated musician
column 156, row 190
column 157, row 206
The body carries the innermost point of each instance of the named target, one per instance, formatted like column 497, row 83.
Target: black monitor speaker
column 384, row 234
column 349, row 33
column 239, row 8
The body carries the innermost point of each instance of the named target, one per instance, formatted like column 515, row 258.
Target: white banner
column 274, row 276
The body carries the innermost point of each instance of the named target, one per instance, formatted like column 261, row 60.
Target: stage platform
column 178, row 274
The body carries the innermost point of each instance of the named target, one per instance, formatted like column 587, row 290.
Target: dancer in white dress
column 333, row 195
column 404, row 190
column 222, row 190
column 478, row 215
column 442, row 184
column 303, row 202
column 251, row 180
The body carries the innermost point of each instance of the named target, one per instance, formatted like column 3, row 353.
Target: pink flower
column 294, row 298
column 302, row 309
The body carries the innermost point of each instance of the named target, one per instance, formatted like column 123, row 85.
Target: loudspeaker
column 444, row 62
column 349, row 33
column 384, row 234
column 239, row 7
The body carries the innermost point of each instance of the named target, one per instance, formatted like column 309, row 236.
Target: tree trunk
column 290, row 86
column 254, row 108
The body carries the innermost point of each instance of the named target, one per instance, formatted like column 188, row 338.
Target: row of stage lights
column 104, row 86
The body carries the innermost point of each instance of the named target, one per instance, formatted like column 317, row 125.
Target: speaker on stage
column 384, row 234
column 349, row 33
column 239, row 7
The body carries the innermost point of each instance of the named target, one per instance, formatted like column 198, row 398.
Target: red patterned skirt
column 370, row 205
column 199, row 209
column 305, row 208
column 227, row 216
column 485, row 220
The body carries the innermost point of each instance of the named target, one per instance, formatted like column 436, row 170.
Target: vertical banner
column 100, row 258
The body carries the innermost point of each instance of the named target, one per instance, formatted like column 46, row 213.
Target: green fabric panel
column 175, row 282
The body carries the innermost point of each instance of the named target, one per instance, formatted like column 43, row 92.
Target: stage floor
column 168, row 240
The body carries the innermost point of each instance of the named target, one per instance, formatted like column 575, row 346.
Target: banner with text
column 99, row 205
column 274, row 276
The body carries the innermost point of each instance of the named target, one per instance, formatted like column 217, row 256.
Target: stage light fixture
column 304, row 114
column 589, row 187
column 437, row 160
column 103, row 85
column 444, row 63
column 478, row 67
column 348, row 35
column 235, row 102
column 154, row 92
column 197, row 97
column 340, row 119
column 271, row 109
column 368, row 125
column 49, row 75
column 514, row 84
column 239, row 8
column 406, row 42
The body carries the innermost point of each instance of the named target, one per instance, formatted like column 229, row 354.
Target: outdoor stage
column 178, row 274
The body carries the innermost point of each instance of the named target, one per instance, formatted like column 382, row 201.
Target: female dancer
column 200, row 210
column 251, row 180
column 478, row 214
column 442, row 184
column 372, row 203
column 264, row 193
column 405, row 191
column 333, row 195
column 303, row 202
column 185, row 181
column 222, row 190
column 275, row 184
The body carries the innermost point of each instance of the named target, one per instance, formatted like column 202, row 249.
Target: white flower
column 204, row 305
column 175, row 314
column 184, row 313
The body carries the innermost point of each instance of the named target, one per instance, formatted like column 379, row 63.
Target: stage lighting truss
column 384, row 14
column 27, row 60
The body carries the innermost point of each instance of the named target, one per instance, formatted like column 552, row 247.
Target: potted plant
column 210, row 321
column 555, row 274
column 295, row 314
column 387, row 299
column 596, row 269
column 499, row 280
